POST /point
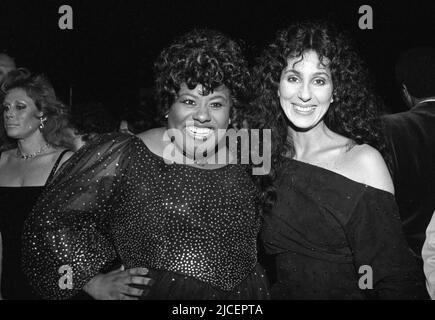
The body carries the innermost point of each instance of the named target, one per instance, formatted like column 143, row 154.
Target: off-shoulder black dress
column 195, row 229
column 326, row 230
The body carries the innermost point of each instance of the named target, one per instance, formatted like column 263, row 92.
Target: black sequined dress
column 326, row 231
column 195, row 229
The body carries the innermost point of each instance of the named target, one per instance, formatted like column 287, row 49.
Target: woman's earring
column 334, row 97
column 166, row 116
column 41, row 124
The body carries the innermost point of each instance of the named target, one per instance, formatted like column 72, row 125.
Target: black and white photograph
column 221, row 157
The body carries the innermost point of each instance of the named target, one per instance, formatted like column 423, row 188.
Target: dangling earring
column 41, row 124
column 166, row 116
column 334, row 96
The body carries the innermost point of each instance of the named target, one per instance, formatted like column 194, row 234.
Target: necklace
column 34, row 154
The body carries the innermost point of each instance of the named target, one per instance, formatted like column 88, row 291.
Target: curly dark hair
column 206, row 57
column 354, row 112
column 40, row 90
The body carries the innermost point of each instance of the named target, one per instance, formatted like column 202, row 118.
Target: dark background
column 108, row 55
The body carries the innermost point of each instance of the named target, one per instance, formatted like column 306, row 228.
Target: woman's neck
column 31, row 144
column 308, row 142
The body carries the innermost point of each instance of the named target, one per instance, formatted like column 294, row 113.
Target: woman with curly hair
column 334, row 230
column 35, row 143
column 160, row 200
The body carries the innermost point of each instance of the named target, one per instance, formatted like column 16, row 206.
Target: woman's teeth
column 199, row 133
column 302, row 109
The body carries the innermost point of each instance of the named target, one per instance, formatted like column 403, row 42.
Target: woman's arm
column 428, row 255
column 376, row 237
column 378, row 244
column 67, row 239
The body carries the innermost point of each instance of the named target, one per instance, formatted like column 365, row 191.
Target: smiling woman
column 194, row 226
column 202, row 89
column 200, row 117
column 335, row 210
column 305, row 90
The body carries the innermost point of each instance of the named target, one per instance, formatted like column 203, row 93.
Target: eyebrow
column 314, row 74
column 188, row 94
column 322, row 73
column 18, row 101
column 219, row 95
column 292, row 71
column 22, row 101
column 216, row 95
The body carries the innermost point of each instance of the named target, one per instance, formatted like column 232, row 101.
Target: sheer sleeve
column 375, row 234
column 66, row 239
column 428, row 255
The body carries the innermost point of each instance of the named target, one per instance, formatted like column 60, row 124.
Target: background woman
column 34, row 144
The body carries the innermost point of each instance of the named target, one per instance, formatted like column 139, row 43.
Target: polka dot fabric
column 195, row 229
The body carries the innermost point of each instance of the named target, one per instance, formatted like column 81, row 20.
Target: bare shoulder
column 5, row 156
column 366, row 165
column 10, row 152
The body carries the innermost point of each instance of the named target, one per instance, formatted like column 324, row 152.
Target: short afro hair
column 206, row 57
